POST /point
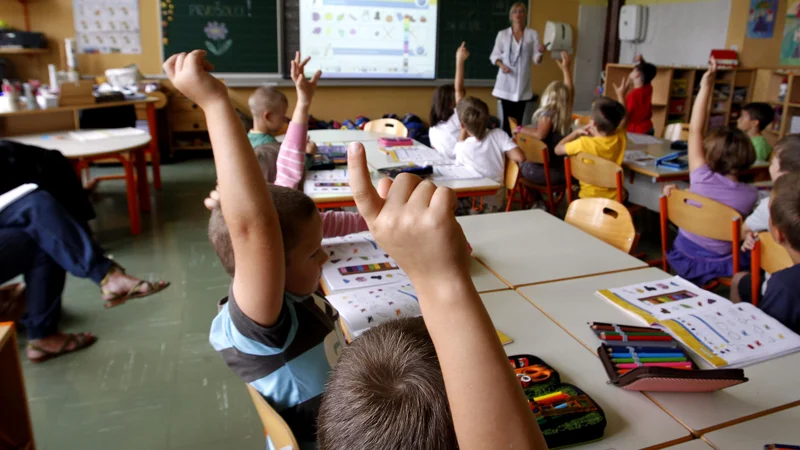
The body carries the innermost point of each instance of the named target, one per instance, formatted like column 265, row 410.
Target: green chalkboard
column 474, row 21
column 240, row 36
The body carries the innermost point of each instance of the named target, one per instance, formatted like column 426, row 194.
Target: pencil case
column 322, row 162
column 581, row 420
column 420, row 171
column 665, row 379
column 395, row 142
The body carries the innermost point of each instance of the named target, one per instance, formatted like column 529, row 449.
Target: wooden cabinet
column 780, row 89
column 15, row 421
column 187, row 123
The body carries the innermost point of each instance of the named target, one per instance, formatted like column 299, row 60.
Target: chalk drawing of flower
column 216, row 31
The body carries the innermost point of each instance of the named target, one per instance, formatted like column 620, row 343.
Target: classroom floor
column 152, row 381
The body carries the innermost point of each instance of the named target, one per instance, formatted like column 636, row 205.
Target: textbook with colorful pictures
column 718, row 331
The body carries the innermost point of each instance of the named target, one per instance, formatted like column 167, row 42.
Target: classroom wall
column 763, row 53
column 55, row 19
column 680, row 32
column 589, row 54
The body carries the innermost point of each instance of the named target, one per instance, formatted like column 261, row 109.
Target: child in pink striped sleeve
column 290, row 164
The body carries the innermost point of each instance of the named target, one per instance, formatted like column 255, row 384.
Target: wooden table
column 777, row 428
column 530, row 247
column 697, row 444
column 128, row 150
column 377, row 160
column 15, row 421
column 573, row 303
column 633, row 420
column 37, row 121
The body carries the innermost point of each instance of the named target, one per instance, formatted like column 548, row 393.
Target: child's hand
column 749, row 242
column 311, row 148
column 305, row 87
column 639, row 58
column 622, row 88
column 564, row 62
column 415, row 222
column 667, row 189
column 190, row 75
column 711, row 73
column 212, row 201
column 462, row 54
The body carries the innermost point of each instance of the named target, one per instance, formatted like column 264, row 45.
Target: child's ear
column 777, row 234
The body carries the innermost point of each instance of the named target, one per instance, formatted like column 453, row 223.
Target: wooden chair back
column 767, row 255
column 274, row 425
column 512, row 175
column 608, row 220
column 580, row 121
column 388, row 126
column 513, row 124
column 593, row 170
column 677, row 132
column 702, row 216
column 534, row 149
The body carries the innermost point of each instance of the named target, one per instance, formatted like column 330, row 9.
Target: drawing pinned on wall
column 217, row 31
column 761, row 20
column 790, row 48
column 107, row 27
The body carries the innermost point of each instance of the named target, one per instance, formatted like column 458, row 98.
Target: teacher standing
column 515, row 48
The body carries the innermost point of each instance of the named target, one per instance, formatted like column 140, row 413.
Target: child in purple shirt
column 713, row 166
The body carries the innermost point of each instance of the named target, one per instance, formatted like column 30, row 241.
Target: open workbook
column 717, row 330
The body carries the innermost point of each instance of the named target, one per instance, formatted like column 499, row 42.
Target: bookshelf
column 674, row 90
column 781, row 89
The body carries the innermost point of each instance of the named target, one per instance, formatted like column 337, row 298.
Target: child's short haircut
column 294, row 209
column 387, row 392
column 787, row 150
column 266, row 99
column 474, row 115
column 607, row 114
column 728, row 151
column 761, row 112
column 647, row 70
column 785, row 207
column 444, row 97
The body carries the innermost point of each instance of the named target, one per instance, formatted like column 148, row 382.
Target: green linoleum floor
column 152, row 381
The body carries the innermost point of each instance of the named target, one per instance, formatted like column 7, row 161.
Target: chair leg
column 141, row 178
column 131, row 191
column 155, row 155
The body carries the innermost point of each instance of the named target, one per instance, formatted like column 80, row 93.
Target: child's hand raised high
column 189, row 74
column 564, row 62
column 305, row 87
column 414, row 222
column 711, row 73
column 462, row 54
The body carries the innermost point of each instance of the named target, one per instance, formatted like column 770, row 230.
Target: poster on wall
column 790, row 48
column 761, row 21
column 107, row 26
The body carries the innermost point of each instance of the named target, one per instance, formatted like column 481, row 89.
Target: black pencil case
column 665, row 379
column 420, row 171
column 565, row 429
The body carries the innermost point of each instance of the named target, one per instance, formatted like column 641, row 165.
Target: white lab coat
column 515, row 86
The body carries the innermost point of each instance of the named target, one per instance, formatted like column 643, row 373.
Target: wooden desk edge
column 73, row 108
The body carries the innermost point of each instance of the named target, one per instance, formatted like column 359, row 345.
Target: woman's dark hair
column 443, row 104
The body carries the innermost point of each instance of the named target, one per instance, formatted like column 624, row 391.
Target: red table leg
column 155, row 155
column 130, row 189
column 141, row 178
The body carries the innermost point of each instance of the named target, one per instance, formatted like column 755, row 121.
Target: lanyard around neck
column 511, row 46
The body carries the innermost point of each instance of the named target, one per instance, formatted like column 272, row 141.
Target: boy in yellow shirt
column 605, row 136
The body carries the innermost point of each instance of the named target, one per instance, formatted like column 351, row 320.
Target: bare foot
column 59, row 344
column 118, row 286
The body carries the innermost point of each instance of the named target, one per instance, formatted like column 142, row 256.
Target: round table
column 128, row 150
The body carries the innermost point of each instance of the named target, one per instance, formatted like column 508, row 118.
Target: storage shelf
column 22, row 51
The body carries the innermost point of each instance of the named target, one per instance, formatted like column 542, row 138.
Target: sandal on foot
column 134, row 292
column 80, row 341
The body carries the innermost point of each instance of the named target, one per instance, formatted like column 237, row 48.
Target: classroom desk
column 530, row 247
column 777, row 428
column 37, row 121
column 697, row 444
column 128, row 150
column 633, row 420
column 15, row 422
column 573, row 303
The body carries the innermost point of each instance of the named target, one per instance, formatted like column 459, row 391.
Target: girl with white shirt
column 445, row 126
column 515, row 48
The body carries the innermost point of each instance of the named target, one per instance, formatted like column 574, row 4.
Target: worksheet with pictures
column 327, row 182
column 366, row 308
column 352, row 245
column 361, row 271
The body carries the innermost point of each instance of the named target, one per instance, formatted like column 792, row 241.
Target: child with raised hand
column 636, row 93
column 271, row 331
column 713, row 167
column 414, row 222
column 551, row 123
column 445, row 126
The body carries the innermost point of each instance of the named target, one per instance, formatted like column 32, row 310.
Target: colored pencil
column 674, row 365
column 635, row 338
column 550, row 400
column 648, row 360
column 614, row 327
column 653, row 333
column 647, row 355
column 542, row 398
column 637, row 349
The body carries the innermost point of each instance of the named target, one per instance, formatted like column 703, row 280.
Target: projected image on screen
column 370, row 38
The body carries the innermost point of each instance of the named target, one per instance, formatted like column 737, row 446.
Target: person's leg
column 740, row 288
column 511, row 109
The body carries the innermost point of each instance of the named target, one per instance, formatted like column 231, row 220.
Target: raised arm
column 566, row 70
column 291, row 159
column 415, row 223
column 697, row 157
column 462, row 54
column 246, row 204
column 538, row 49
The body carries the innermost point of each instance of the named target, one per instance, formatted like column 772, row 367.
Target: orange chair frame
column 703, row 221
column 592, row 173
column 771, row 256
column 537, row 151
